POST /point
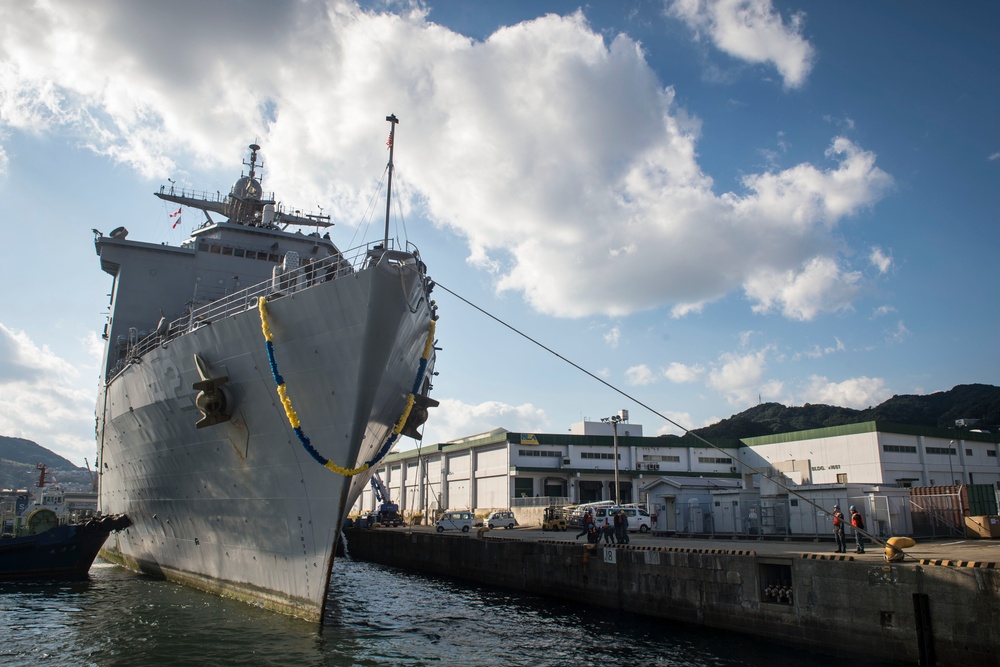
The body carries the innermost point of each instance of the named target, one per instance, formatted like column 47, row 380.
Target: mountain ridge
column 940, row 409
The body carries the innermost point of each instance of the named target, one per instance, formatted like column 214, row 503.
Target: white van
column 500, row 519
column 638, row 518
column 455, row 520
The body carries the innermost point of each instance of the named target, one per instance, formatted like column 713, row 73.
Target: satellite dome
column 247, row 188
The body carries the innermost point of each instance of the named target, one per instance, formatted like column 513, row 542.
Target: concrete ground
column 954, row 551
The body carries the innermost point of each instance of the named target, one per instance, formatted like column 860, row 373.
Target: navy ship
column 253, row 378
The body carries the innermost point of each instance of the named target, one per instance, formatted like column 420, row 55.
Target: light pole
column 950, row 468
column 614, row 420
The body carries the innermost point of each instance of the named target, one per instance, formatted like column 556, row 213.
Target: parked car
column 455, row 520
column 500, row 519
column 638, row 518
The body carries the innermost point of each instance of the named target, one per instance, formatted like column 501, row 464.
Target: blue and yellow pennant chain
column 293, row 417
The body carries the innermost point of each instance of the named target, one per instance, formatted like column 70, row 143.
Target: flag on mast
column 176, row 214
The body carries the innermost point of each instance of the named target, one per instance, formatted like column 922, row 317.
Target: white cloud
column 606, row 172
column 613, row 336
column 858, row 393
column 899, row 334
column 994, row 156
column 44, row 398
column 21, row 359
column 682, row 373
column 684, row 419
column 683, row 309
column 821, row 286
column 880, row 260
column 751, row 30
column 883, row 310
column 793, row 200
column 640, row 375
column 454, row 419
column 818, row 352
column 739, row 377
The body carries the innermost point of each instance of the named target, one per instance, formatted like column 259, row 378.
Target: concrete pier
column 931, row 610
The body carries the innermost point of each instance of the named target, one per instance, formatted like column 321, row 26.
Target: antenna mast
column 388, row 195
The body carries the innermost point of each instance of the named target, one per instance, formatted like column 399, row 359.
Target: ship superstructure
column 253, row 378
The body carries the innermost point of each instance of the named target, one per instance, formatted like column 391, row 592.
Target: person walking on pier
column 621, row 527
column 588, row 521
column 858, row 522
column 838, row 530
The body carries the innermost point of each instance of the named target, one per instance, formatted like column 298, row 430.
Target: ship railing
column 219, row 197
column 203, row 195
column 287, row 278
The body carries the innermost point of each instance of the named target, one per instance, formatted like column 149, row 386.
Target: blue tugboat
column 42, row 549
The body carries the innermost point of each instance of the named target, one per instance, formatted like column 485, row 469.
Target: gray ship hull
column 241, row 508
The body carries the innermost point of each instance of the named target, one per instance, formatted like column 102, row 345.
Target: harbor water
column 376, row 616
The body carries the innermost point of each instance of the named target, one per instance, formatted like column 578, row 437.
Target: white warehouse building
column 879, row 453
column 501, row 469
column 694, row 487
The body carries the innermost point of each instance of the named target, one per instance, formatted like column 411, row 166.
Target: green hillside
column 938, row 410
column 18, row 461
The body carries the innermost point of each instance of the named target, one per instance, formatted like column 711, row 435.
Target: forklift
column 554, row 518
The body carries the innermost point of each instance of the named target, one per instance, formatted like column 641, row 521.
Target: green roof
column 870, row 427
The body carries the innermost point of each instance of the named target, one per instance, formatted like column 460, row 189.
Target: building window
column 901, row 449
column 539, row 452
column 968, row 452
column 661, row 457
column 842, row 478
column 712, row 459
column 991, row 452
column 945, row 451
column 599, row 455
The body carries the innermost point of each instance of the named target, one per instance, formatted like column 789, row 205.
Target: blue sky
column 706, row 203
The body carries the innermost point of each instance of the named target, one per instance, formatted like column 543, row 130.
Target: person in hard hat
column 858, row 522
column 838, row 530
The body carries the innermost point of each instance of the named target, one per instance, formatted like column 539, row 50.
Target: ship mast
column 388, row 194
column 253, row 159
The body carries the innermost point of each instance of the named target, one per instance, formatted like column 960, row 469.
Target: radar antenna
column 253, row 160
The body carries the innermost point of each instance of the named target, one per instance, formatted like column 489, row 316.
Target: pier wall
column 905, row 613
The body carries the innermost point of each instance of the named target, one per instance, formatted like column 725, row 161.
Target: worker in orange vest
column 859, row 525
column 838, row 530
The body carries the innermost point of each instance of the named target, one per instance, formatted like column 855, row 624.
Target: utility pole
column 614, row 420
